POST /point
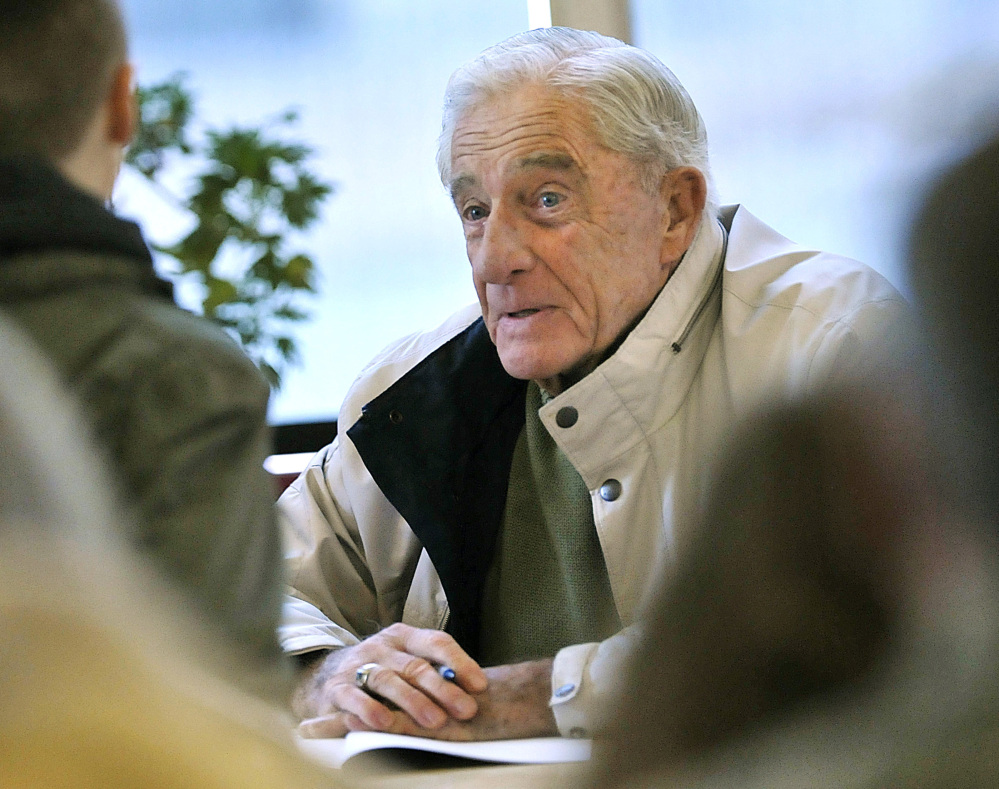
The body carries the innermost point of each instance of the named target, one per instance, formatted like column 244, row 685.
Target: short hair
column 637, row 105
column 57, row 60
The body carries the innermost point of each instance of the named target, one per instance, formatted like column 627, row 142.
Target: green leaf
column 220, row 291
column 286, row 347
column 250, row 188
column 197, row 250
column 243, row 151
column 298, row 272
column 267, row 268
column 301, row 204
column 272, row 375
column 289, row 313
column 164, row 111
column 224, row 322
column 289, row 153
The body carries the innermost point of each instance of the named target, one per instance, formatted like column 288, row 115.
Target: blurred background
column 824, row 118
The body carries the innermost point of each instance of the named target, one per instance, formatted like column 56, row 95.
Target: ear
column 685, row 192
column 122, row 108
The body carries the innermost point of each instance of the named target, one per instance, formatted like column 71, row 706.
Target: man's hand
column 514, row 705
column 405, row 685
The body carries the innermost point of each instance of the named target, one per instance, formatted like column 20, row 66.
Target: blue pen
column 447, row 673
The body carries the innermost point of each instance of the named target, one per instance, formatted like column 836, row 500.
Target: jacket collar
column 666, row 347
column 439, row 444
column 41, row 213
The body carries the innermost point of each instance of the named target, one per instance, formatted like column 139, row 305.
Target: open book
column 336, row 752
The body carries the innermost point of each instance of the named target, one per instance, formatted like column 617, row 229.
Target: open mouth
column 523, row 313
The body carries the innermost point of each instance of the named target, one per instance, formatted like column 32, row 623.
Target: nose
column 502, row 250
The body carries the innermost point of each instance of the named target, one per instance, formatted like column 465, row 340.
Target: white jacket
column 746, row 317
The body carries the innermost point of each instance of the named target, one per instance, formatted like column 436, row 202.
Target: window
column 368, row 78
column 822, row 116
column 825, row 117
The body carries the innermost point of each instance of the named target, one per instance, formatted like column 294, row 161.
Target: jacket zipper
column 677, row 346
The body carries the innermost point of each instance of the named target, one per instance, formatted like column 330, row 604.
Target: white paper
column 538, row 750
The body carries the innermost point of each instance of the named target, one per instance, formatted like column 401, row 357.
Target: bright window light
column 293, row 463
column 539, row 14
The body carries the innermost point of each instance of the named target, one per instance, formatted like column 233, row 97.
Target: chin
column 519, row 367
column 528, row 369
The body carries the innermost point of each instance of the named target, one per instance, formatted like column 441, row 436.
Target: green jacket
column 176, row 404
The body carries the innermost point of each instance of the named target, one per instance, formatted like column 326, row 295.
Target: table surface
column 480, row 776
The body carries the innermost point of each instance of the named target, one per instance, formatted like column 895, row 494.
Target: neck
column 95, row 180
column 93, row 165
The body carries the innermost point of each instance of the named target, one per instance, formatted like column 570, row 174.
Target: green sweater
column 548, row 585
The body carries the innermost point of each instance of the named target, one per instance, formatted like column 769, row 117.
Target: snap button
column 566, row 417
column 565, row 690
column 610, row 490
column 578, row 732
column 395, row 417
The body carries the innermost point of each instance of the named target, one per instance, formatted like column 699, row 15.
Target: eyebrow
column 543, row 160
column 547, row 160
column 461, row 183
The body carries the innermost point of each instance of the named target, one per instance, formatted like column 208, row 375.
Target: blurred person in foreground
column 954, row 269
column 838, row 622
column 173, row 403
column 107, row 680
column 505, row 489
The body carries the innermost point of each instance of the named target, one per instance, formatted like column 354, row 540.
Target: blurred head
column 954, row 269
column 835, row 546
column 817, row 537
column 568, row 158
column 65, row 87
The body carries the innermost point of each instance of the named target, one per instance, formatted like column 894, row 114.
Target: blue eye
column 473, row 213
column 550, row 199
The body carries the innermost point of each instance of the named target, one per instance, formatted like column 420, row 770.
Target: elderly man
column 176, row 406
column 506, row 489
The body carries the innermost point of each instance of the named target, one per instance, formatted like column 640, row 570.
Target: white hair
column 637, row 106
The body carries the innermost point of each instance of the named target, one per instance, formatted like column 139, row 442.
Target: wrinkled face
column 566, row 246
